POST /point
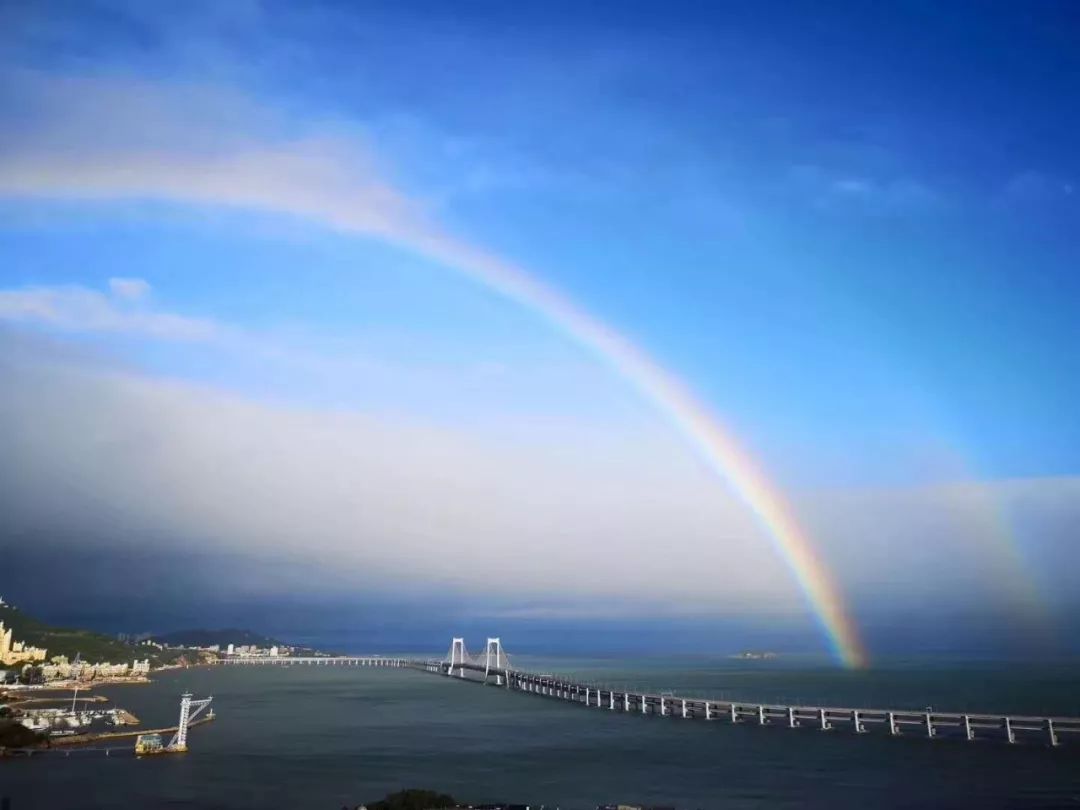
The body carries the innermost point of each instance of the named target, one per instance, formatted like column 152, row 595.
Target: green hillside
column 94, row 647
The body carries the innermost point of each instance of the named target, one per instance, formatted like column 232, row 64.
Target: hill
column 94, row 647
column 223, row 638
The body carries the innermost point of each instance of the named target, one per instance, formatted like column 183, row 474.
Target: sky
column 634, row 325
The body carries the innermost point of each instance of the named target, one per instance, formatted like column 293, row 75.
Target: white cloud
column 606, row 527
column 380, row 501
column 833, row 190
column 79, row 309
column 194, row 145
column 1038, row 187
column 132, row 289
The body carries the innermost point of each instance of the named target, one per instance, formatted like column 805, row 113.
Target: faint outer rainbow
column 714, row 442
column 292, row 181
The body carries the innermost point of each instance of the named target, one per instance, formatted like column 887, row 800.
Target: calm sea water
column 307, row 737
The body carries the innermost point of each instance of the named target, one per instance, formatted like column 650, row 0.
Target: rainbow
column 715, row 443
column 294, row 182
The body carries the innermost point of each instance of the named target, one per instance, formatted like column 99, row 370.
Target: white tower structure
column 189, row 710
column 457, row 656
column 494, row 658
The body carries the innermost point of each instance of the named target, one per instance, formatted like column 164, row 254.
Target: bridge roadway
column 317, row 660
column 1051, row 731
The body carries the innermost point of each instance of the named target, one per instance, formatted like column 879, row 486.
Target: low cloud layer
column 368, row 497
column 356, row 506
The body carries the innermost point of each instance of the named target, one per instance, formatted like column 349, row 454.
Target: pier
column 82, row 739
column 494, row 666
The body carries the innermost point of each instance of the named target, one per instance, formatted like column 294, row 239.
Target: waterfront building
column 16, row 652
column 141, row 667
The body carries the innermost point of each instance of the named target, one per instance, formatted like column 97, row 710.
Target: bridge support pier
column 929, row 725
column 893, row 730
column 708, row 711
column 969, row 732
column 1010, row 735
column 1053, row 734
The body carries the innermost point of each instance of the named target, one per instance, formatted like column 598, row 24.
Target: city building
column 16, row 652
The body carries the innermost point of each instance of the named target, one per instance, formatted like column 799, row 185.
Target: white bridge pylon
column 458, row 656
column 494, row 657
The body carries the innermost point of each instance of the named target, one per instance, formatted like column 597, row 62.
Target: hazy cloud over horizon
column 293, row 502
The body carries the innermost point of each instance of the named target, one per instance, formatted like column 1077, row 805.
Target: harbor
column 62, row 720
column 147, row 741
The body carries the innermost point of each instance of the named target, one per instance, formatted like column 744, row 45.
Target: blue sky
column 851, row 231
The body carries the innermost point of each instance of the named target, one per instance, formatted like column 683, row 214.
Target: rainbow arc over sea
column 714, row 442
column 281, row 181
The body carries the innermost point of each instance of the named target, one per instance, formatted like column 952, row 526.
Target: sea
column 327, row 737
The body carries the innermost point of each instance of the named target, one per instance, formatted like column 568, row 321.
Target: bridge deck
column 1050, row 730
column 321, row 660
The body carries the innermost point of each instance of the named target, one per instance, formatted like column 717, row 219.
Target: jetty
column 83, row 739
